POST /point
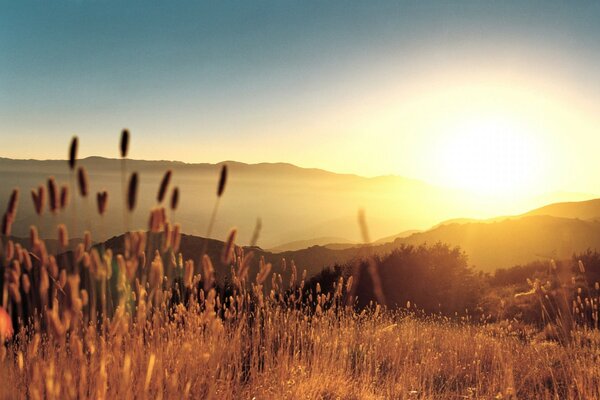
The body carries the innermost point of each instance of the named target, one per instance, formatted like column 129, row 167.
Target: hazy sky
column 449, row 92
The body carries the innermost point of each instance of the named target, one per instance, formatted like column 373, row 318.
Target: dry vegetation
column 148, row 324
column 283, row 353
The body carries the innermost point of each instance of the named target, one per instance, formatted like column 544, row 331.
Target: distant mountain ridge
column 555, row 231
column 587, row 210
column 515, row 241
column 400, row 235
column 488, row 245
column 296, row 203
column 303, row 244
column 312, row 259
column 293, row 203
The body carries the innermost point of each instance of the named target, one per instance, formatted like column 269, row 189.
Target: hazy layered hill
column 489, row 245
column 512, row 241
column 303, row 244
column 294, row 203
column 312, row 259
column 400, row 235
column 556, row 231
column 589, row 210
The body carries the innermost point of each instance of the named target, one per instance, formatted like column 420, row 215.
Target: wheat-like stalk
column 82, row 180
column 73, row 152
column 132, row 191
column 164, row 185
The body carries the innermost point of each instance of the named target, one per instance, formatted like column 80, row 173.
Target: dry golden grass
column 284, row 353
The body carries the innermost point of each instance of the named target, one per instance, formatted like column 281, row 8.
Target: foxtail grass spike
column 6, row 224
column 73, row 152
column 64, row 197
column 227, row 254
column 6, row 328
column 82, row 181
column 164, row 184
column 52, row 195
column 102, row 198
column 222, row 181
column 124, row 143
column 33, row 235
column 209, row 273
column 132, row 191
column 36, row 201
column 175, row 198
column 63, row 235
column 13, row 202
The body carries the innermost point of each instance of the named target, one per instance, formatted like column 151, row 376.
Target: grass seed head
column 6, row 224
column 64, row 197
column 156, row 272
column 188, row 274
column 164, row 185
column 132, row 191
column 102, row 200
column 33, row 235
column 176, row 241
column 82, row 180
column 53, row 267
column 151, row 362
column 87, row 240
column 9, row 250
column 13, row 202
column 222, row 181
column 73, row 152
column 25, row 283
column 227, row 253
column 124, row 145
column 52, row 195
column 245, row 265
column 208, row 271
column 63, row 236
column 265, row 269
column 39, row 199
column 6, row 328
column 27, row 261
column 175, row 198
column 14, row 293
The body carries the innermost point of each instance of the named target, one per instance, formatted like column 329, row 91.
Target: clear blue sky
column 305, row 82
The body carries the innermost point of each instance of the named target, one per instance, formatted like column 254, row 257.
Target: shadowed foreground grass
column 283, row 353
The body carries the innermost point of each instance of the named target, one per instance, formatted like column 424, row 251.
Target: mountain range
column 293, row 203
column 308, row 215
column 499, row 243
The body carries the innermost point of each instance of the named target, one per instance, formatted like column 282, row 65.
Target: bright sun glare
column 491, row 156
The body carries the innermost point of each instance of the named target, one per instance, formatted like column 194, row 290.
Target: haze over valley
column 300, row 208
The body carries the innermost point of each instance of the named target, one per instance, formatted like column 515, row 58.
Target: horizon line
column 317, row 169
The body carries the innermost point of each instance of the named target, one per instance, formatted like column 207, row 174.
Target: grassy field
column 280, row 352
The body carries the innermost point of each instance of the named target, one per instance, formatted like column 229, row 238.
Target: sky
column 496, row 97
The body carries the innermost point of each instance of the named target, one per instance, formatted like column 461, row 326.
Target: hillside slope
column 589, row 209
column 491, row 245
column 304, row 244
column 312, row 259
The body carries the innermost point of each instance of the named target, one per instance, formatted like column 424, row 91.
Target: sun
column 491, row 156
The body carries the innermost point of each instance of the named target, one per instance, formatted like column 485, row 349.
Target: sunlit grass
column 279, row 352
